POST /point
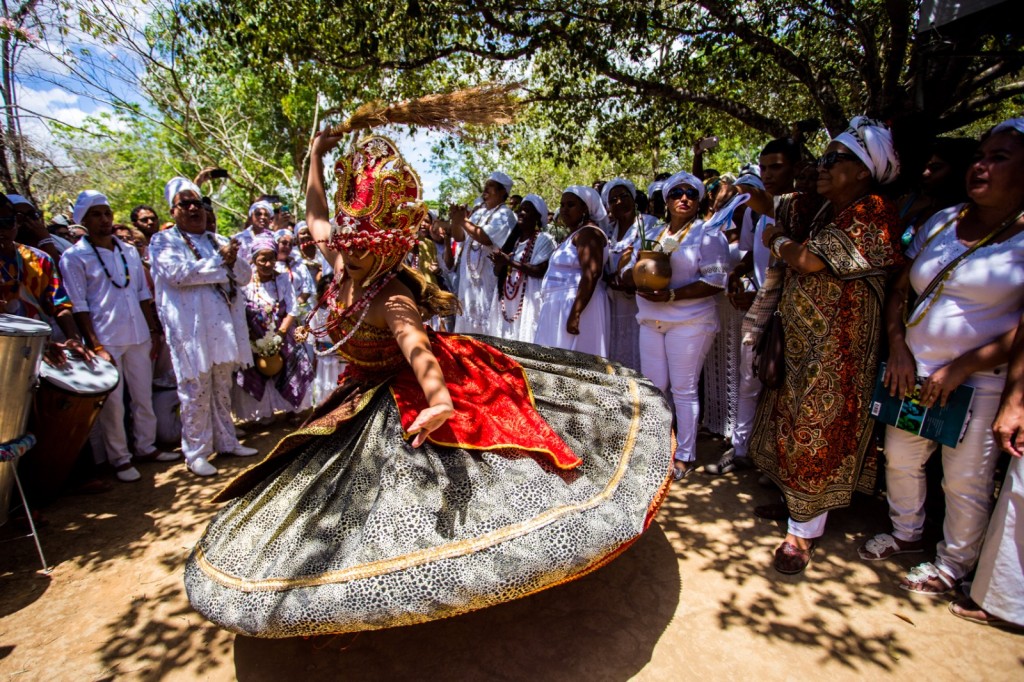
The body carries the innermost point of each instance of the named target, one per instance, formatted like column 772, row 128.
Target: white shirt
column 702, row 255
column 979, row 302
column 477, row 281
column 244, row 239
column 202, row 328
column 751, row 239
column 115, row 311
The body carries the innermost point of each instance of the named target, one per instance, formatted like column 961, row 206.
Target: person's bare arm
column 590, row 249
column 901, row 368
column 1009, row 422
column 317, row 211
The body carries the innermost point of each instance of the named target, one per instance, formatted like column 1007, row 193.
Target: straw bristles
column 483, row 105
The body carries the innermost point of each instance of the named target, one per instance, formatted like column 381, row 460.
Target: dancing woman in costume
column 444, row 475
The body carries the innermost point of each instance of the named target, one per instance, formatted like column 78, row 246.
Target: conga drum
column 67, row 403
column 22, row 341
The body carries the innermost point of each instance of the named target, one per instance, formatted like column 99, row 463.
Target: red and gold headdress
column 379, row 207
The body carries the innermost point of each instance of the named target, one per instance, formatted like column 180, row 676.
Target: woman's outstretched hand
column 323, row 143
column 429, row 420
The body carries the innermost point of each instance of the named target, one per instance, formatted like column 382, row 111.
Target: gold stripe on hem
column 433, row 554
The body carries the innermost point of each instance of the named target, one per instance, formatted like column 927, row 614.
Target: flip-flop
column 968, row 610
column 679, row 474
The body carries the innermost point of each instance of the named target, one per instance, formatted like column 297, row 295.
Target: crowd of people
column 679, row 282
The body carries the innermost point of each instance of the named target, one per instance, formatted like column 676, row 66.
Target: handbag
column 770, row 353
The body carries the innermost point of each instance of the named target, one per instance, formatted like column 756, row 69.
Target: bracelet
column 98, row 347
column 777, row 243
column 671, row 295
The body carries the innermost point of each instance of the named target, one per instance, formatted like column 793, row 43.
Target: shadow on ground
column 603, row 626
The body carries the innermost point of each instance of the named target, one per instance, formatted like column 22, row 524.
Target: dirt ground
column 695, row 598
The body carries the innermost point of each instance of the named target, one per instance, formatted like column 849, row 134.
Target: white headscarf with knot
column 177, row 185
column 86, row 200
column 655, row 187
column 871, row 142
column 261, row 204
column 683, row 178
column 502, row 179
column 750, row 179
column 1009, row 124
column 590, row 197
column 298, row 226
column 540, row 205
column 606, row 191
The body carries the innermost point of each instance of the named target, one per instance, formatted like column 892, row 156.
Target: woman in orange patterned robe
column 812, row 434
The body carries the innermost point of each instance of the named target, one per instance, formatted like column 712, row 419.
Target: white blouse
column 980, row 300
column 703, row 255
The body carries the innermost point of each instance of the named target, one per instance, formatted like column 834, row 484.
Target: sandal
column 927, row 579
column 679, row 473
column 885, row 545
column 966, row 608
column 790, row 559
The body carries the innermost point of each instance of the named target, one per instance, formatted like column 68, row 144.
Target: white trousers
column 672, row 356
column 809, row 530
column 206, row 425
column 999, row 582
column 136, row 370
column 967, row 481
column 748, row 390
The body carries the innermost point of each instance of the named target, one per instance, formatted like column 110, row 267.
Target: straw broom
column 490, row 104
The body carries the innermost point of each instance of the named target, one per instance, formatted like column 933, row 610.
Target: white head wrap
column 590, row 197
column 177, row 185
column 1009, row 124
column 541, row 207
column 683, row 178
column 261, row 204
column 612, row 184
column 298, row 226
column 16, row 199
column 502, row 179
column 750, row 179
column 433, row 214
column 86, row 200
column 655, row 187
column 283, row 232
column 871, row 142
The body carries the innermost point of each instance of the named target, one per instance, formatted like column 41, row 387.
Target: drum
column 66, row 406
column 22, row 342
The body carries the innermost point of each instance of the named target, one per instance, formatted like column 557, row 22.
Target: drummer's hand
column 54, row 355
column 78, row 348
column 428, row 420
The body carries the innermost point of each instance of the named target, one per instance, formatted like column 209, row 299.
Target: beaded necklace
column 124, row 262
column 257, row 295
column 683, row 231
column 360, row 306
column 938, row 284
column 229, row 295
column 475, row 266
column 515, row 284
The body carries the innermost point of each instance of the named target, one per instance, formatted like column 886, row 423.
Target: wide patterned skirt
column 352, row 529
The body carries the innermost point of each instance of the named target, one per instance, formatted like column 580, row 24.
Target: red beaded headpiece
column 378, row 204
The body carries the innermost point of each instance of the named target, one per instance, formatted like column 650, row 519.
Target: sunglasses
column 30, row 215
column 680, row 192
column 832, row 158
column 189, row 203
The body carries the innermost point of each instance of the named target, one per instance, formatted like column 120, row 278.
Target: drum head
column 79, row 376
column 16, row 325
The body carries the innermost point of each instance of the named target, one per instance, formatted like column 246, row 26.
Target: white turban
column 176, row 186
column 16, row 199
column 261, row 204
column 655, row 187
column 590, row 197
column 433, row 214
column 750, row 179
column 617, row 182
column 683, row 178
column 1009, row 124
column 541, row 207
column 298, row 226
column 283, row 232
column 86, row 200
column 502, row 179
column 871, row 142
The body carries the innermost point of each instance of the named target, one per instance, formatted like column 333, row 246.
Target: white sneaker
column 241, row 451
column 168, row 457
column 128, row 475
column 200, row 467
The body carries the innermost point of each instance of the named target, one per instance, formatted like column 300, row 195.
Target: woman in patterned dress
column 442, row 475
column 811, row 435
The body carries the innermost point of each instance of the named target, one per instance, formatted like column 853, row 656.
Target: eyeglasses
column 30, row 215
column 146, row 219
column 189, row 203
column 680, row 192
column 832, row 158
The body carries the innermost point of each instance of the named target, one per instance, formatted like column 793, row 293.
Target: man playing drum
column 113, row 307
column 197, row 275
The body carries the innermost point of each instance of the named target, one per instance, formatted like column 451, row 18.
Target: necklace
column 229, row 294
column 124, row 263
column 948, row 272
column 515, row 284
column 360, row 306
column 475, row 265
column 256, row 294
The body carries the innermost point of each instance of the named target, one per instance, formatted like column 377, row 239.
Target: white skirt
column 555, row 305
